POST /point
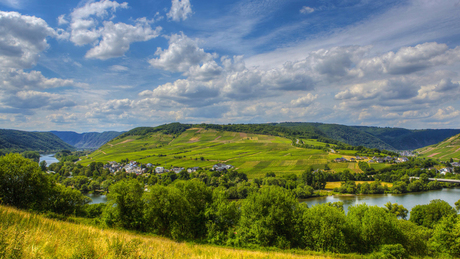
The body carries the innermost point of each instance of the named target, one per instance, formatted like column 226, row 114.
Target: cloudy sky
column 108, row 65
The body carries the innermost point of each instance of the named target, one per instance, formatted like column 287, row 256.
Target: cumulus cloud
column 181, row 54
column 13, row 80
column 89, row 25
column 304, row 101
column 22, row 39
column 411, row 59
column 116, row 39
column 180, row 10
column 306, row 10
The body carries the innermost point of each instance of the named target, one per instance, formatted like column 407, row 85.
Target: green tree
column 66, row 201
column 324, row 229
column 446, row 237
column 43, row 165
column 22, row 183
column 457, row 205
column 397, row 210
column 167, row 212
column 125, row 205
column 269, row 217
column 428, row 215
column 32, row 155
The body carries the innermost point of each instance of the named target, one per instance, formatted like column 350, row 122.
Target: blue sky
column 108, row 65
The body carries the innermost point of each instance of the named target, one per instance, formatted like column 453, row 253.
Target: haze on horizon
column 114, row 65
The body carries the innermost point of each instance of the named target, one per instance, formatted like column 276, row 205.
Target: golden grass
column 33, row 236
column 332, row 185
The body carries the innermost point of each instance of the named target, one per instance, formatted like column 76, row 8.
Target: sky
column 113, row 65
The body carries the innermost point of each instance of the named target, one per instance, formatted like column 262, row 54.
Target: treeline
column 25, row 186
column 17, row 141
column 272, row 217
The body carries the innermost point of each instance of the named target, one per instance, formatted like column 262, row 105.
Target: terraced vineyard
column 252, row 154
column 445, row 150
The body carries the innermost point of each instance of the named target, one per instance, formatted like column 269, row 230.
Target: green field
column 252, row 154
column 449, row 148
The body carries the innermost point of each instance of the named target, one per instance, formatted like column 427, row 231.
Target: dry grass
column 24, row 235
column 332, row 185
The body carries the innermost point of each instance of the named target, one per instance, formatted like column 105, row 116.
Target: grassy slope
column 25, row 235
column 449, row 148
column 251, row 153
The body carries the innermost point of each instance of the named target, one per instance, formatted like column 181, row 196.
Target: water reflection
column 408, row 200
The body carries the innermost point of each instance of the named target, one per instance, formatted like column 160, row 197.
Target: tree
column 32, row 155
column 457, row 206
column 167, row 212
column 125, row 204
column 429, row 215
column 397, row 210
column 43, row 165
column 269, row 218
column 22, row 183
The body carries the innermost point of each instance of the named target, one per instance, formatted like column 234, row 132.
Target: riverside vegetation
column 190, row 210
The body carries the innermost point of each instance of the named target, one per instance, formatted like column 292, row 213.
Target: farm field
column 445, row 150
column 252, row 154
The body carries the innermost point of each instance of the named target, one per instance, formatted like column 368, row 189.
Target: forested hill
column 376, row 137
column 19, row 141
column 88, row 140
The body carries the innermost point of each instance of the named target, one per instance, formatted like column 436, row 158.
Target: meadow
column 27, row 235
column 252, row 154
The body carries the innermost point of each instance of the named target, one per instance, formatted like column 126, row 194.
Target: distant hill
column 377, row 137
column 445, row 150
column 19, row 141
column 88, row 140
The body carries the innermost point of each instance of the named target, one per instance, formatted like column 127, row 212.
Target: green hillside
column 253, row 154
column 445, row 150
column 19, row 141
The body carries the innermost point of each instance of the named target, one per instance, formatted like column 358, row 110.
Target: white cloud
column 62, row 20
column 116, row 39
column 180, row 10
column 304, row 101
column 22, row 39
column 13, row 80
column 182, row 54
column 110, row 39
column 306, row 10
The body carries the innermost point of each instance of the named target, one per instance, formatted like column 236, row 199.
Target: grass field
column 444, row 151
column 332, row 185
column 25, row 235
column 252, row 154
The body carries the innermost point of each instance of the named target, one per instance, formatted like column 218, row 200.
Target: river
column 408, row 200
column 97, row 198
column 49, row 159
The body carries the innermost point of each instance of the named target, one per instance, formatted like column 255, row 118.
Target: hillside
column 19, row 141
column 88, row 140
column 253, row 154
column 26, row 235
column 375, row 137
column 445, row 150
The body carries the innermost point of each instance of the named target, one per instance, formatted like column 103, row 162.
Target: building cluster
column 387, row 159
column 353, row 159
column 136, row 168
column 450, row 170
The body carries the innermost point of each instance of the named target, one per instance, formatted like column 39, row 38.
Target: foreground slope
column 87, row 140
column 18, row 141
column 25, row 235
column 253, row 154
column 445, row 150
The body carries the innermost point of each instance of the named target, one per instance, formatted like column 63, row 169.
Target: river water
column 97, row 198
column 49, row 159
column 408, row 200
